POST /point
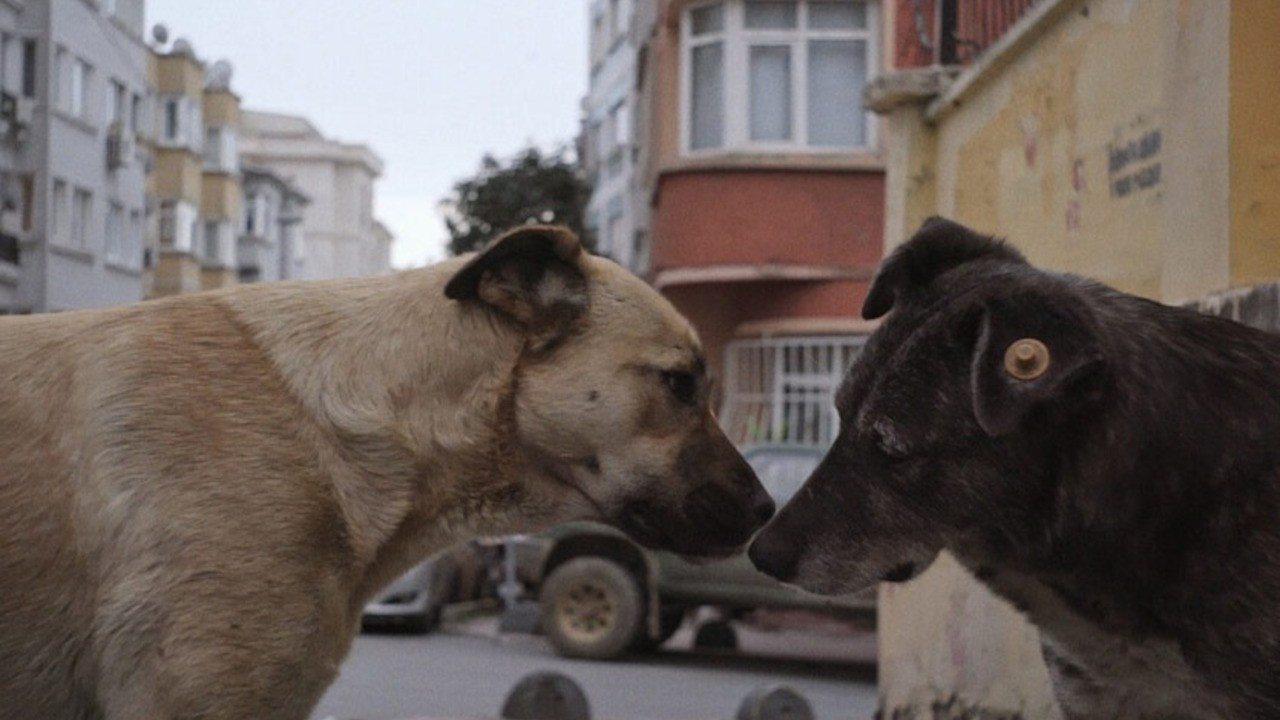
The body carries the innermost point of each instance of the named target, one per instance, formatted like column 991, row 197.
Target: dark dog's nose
column 762, row 507
column 773, row 555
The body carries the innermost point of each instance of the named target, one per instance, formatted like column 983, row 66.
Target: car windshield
column 782, row 472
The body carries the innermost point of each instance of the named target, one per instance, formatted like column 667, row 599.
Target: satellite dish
column 182, row 46
column 218, row 76
column 160, row 34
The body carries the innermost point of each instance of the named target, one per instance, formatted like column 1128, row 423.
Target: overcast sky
column 430, row 85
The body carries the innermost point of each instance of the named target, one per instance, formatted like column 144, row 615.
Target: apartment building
column 196, row 181
column 73, row 94
column 342, row 236
column 271, row 244
column 763, row 179
column 617, row 208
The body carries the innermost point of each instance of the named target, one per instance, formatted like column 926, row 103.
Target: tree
column 531, row 187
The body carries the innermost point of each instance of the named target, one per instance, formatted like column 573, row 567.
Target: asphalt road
column 466, row 672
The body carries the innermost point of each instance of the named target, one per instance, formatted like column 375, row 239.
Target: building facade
column 617, row 208
column 195, row 184
column 73, row 76
column 342, row 236
column 271, row 243
column 1128, row 140
column 764, row 185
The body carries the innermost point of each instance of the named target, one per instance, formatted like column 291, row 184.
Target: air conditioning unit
column 120, row 148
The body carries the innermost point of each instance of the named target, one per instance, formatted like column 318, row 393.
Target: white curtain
column 837, row 74
column 770, row 92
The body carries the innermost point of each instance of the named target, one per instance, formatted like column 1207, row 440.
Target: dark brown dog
column 1108, row 464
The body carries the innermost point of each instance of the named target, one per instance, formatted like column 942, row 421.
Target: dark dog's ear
column 1029, row 350
column 531, row 274
column 938, row 246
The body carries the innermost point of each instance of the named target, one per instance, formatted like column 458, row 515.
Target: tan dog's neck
column 390, row 479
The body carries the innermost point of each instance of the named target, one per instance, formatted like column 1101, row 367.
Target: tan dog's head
column 610, row 398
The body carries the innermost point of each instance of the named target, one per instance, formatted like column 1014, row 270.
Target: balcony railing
column 968, row 27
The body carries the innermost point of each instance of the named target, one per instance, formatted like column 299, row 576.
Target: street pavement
column 466, row 669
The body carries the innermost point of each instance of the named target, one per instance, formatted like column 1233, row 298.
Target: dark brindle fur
column 1126, row 497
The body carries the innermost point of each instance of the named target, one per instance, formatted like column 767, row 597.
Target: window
column 60, row 221
column 180, row 124
column 135, row 113
column 217, row 248
column 776, row 74
column 29, row 68
column 782, row 390
column 81, row 211
column 613, row 227
column 220, row 149
column 78, row 100
column 179, row 225
column 211, row 250
column 117, row 96
column 172, row 119
column 134, row 250
column 6, row 62
column 116, row 249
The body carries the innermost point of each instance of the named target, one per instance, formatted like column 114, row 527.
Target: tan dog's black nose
column 762, row 507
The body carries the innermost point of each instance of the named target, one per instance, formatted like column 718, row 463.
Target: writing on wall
column 1133, row 164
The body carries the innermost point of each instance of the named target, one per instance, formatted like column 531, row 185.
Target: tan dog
column 198, row 495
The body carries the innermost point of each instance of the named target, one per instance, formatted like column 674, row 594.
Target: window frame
column 736, row 43
column 115, row 241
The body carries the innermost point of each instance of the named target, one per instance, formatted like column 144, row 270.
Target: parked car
column 601, row 594
column 414, row 601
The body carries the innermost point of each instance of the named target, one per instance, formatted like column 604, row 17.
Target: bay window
column 782, row 75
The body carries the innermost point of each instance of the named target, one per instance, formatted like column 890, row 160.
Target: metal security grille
column 782, row 390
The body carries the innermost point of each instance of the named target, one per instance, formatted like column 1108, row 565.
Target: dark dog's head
column 610, row 415
column 942, row 417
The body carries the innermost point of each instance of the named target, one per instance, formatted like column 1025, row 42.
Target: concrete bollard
column 546, row 695
column 774, row 702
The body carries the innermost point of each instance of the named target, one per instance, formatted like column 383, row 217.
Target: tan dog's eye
column 683, row 386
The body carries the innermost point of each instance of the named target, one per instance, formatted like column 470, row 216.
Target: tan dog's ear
column 533, row 275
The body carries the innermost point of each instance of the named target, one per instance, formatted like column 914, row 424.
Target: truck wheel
column 591, row 608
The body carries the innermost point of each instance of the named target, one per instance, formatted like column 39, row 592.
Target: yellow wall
column 214, row 278
column 221, row 196
column 1255, row 141
column 1101, row 148
column 221, row 108
column 177, row 174
column 175, row 274
column 179, row 74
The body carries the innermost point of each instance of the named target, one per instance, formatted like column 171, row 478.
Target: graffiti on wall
column 1133, row 164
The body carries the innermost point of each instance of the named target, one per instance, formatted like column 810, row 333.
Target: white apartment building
column 271, row 241
column 73, row 100
column 342, row 238
column 616, row 209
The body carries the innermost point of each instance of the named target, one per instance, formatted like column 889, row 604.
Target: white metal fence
column 782, row 390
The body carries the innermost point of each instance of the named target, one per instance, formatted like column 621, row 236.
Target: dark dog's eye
column 683, row 386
